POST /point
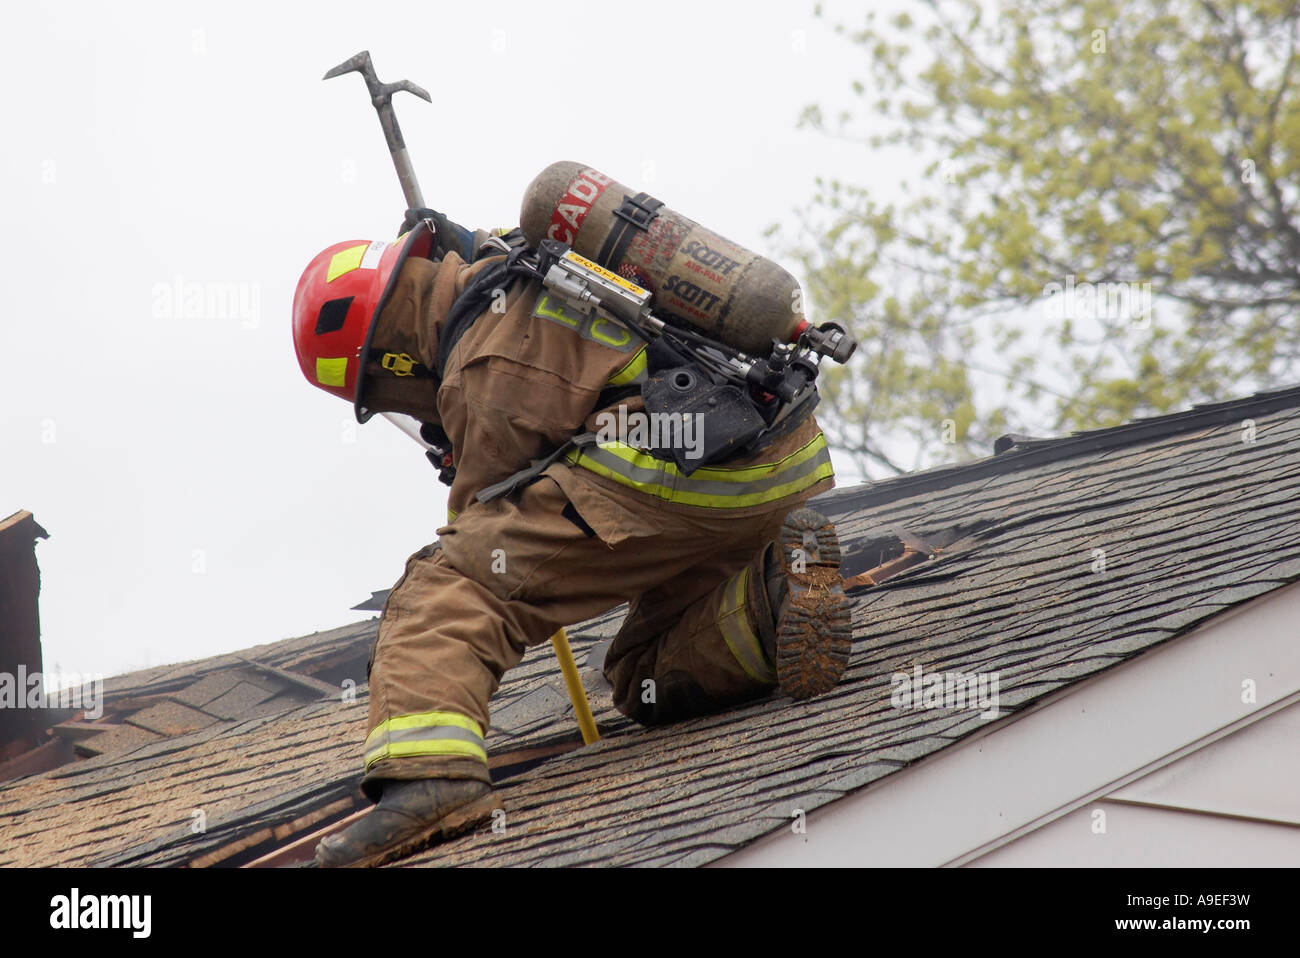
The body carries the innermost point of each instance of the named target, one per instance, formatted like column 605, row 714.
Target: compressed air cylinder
column 697, row 277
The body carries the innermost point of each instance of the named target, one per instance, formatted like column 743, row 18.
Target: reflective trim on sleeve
column 426, row 733
column 717, row 487
column 733, row 622
column 633, row 372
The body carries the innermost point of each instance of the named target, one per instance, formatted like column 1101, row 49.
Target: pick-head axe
column 381, row 95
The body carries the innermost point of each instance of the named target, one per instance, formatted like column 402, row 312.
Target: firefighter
column 734, row 586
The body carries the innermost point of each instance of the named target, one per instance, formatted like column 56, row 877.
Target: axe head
column 358, row 64
column 380, row 93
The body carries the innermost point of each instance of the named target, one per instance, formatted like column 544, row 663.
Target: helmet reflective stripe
column 331, row 372
column 426, row 733
column 733, row 622
column 345, row 261
column 716, row 487
column 365, row 256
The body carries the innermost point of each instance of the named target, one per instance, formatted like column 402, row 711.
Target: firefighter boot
column 409, row 816
column 813, row 636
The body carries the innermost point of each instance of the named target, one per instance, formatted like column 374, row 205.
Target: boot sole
column 814, row 637
column 457, row 821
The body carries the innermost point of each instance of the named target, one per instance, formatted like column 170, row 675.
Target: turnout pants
column 507, row 574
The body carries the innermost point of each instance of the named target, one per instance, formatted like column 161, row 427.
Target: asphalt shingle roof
column 1193, row 514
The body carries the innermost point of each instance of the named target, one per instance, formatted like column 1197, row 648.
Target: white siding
column 1168, row 728
column 1137, row 836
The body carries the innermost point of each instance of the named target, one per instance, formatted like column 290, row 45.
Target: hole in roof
column 937, row 543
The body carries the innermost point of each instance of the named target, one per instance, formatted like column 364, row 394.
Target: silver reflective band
column 440, row 732
column 712, row 485
column 733, row 622
column 427, row 734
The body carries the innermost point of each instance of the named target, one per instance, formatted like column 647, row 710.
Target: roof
column 1076, row 555
column 263, row 743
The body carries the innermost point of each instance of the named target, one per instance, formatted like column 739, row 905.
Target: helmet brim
column 418, row 242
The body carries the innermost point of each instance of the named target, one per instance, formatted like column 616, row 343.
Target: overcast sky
column 200, row 495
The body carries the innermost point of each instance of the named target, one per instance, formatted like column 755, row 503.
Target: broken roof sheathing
column 1084, row 552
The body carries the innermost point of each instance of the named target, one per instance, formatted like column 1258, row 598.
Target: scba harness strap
column 451, row 237
column 401, row 364
column 740, row 425
column 476, row 298
column 637, row 213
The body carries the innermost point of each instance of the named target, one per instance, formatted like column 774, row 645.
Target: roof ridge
column 1026, row 453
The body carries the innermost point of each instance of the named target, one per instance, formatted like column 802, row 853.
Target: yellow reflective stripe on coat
column 715, row 487
column 633, row 372
column 548, row 309
column 589, row 324
column 733, row 622
column 609, row 333
column 425, row 733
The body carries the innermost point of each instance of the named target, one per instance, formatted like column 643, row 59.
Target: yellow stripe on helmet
column 345, row 261
column 332, row 372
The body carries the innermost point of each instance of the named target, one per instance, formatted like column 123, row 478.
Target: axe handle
column 573, row 682
column 401, row 159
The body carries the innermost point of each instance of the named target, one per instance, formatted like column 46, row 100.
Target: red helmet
column 340, row 294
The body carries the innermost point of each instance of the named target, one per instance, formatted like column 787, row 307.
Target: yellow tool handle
column 572, row 681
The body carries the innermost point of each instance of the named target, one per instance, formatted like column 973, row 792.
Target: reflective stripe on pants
column 425, row 733
column 733, row 622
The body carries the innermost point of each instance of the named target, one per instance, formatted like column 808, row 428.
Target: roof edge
column 17, row 519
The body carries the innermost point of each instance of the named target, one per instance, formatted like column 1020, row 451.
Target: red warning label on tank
column 574, row 206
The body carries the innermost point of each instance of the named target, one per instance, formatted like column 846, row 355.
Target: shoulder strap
column 495, row 243
column 475, row 300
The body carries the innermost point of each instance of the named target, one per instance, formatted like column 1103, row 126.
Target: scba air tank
column 721, row 289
